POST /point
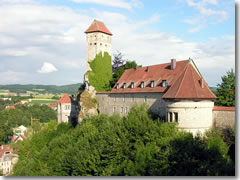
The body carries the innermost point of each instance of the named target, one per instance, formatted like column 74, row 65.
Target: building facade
column 66, row 109
column 7, row 159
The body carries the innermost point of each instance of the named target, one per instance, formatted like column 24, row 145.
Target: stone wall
column 121, row 103
column 223, row 119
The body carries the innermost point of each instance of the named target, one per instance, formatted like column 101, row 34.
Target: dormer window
column 117, row 86
column 124, row 86
column 152, row 84
column 142, row 85
column 164, row 83
column 132, row 85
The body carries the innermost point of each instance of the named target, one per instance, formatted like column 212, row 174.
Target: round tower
column 99, row 39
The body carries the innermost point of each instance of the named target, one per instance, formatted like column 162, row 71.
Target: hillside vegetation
column 17, row 88
column 112, row 145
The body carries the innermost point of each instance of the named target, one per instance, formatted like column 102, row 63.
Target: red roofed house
column 66, row 109
column 7, row 159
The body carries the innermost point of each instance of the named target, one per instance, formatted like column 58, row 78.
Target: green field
column 42, row 101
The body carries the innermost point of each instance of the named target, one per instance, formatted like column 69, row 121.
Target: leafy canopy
column 101, row 73
column 112, row 145
column 226, row 90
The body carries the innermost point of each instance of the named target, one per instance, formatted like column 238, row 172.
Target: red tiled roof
column 98, row 26
column 52, row 105
column 4, row 148
column 183, row 82
column 64, row 99
column 188, row 86
column 147, row 74
column 223, row 108
column 10, row 107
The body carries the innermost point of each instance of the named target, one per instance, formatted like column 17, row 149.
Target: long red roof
column 223, row 108
column 98, row 26
column 64, row 99
column 183, row 82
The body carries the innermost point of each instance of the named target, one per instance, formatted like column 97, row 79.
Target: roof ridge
column 181, row 80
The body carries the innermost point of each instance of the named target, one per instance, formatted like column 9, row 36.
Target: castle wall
column 191, row 116
column 223, row 119
column 121, row 103
column 97, row 42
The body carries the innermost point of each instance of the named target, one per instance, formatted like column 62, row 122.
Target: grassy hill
column 17, row 88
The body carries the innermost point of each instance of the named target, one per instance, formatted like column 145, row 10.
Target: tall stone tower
column 99, row 39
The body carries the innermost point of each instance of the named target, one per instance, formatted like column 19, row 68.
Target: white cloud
column 113, row 3
column 10, row 77
column 31, row 33
column 206, row 15
column 47, row 68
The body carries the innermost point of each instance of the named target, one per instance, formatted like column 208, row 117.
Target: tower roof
column 64, row 99
column 98, row 26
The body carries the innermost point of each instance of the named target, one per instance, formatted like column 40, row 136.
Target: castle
column 174, row 91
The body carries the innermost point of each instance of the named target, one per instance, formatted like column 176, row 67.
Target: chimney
column 202, row 83
column 173, row 64
column 147, row 69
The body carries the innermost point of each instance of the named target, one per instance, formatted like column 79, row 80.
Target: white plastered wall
column 195, row 117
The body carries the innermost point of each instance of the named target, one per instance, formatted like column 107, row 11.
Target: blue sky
column 43, row 41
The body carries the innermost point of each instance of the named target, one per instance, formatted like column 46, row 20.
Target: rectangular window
column 132, row 85
column 142, row 84
column 170, row 117
column 117, row 86
column 121, row 109
column 164, row 83
column 176, row 116
column 152, row 84
column 145, row 98
column 126, row 109
column 124, row 86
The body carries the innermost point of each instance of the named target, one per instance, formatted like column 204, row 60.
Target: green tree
column 101, row 73
column 5, row 132
column 226, row 90
column 120, row 70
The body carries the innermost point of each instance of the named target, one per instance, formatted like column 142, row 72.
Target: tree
column 117, row 61
column 5, row 132
column 226, row 90
column 118, row 73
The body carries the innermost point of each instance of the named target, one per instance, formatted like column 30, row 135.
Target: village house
column 7, row 159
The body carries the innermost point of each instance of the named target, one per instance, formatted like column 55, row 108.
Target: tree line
column 123, row 146
column 21, row 115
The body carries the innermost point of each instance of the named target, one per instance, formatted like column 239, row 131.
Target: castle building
column 66, row 109
column 175, row 91
column 99, row 39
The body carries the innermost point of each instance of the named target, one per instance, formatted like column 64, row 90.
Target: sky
column 43, row 41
